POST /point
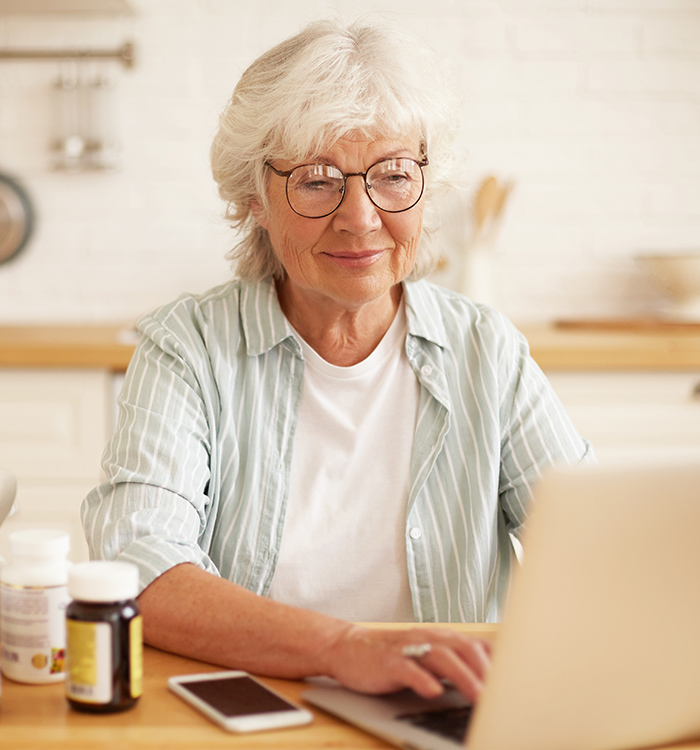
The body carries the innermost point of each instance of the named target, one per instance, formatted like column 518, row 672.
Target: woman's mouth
column 354, row 259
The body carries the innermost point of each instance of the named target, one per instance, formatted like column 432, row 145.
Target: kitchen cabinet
column 631, row 387
column 644, row 415
column 56, row 413
column 53, row 427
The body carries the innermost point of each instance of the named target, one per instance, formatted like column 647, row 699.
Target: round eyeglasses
column 316, row 190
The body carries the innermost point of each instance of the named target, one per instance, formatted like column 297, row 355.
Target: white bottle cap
column 39, row 543
column 103, row 581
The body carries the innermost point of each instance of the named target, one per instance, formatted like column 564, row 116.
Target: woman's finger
column 462, row 661
column 447, row 664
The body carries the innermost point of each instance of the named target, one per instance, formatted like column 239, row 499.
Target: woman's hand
column 373, row 661
column 241, row 630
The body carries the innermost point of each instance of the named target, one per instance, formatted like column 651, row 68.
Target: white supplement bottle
column 33, row 601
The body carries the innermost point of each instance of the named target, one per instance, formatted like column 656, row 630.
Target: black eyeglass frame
column 287, row 172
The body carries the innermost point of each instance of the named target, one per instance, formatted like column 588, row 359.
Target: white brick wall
column 591, row 106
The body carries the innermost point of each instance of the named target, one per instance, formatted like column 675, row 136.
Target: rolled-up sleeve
column 152, row 508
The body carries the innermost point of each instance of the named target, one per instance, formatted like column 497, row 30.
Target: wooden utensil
column 485, row 201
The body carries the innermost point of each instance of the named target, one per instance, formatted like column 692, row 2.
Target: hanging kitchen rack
column 123, row 54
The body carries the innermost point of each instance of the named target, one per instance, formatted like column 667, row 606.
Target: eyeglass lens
column 316, row 190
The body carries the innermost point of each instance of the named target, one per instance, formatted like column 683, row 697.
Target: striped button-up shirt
column 198, row 469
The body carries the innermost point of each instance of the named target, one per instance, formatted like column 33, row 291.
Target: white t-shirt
column 343, row 547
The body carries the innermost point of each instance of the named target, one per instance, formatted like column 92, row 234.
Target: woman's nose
column 356, row 213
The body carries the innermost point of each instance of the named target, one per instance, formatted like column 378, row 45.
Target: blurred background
column 589, row 109
column 580, row 145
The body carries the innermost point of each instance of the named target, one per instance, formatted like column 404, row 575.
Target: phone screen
column 237, row 696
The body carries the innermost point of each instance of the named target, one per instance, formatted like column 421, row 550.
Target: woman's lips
column 358, row 259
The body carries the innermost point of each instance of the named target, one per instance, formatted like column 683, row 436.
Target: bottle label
column 136, row 656
column 33, row 632
column 89, row 662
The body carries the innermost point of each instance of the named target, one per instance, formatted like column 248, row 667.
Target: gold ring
column 416, row 650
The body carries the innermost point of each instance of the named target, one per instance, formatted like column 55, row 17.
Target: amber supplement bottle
column 104, row 641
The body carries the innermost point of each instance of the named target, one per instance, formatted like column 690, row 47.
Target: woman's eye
column 315, row 185
column 315, row 179
column 395, row 177
column 391, row 181
column 393, row 174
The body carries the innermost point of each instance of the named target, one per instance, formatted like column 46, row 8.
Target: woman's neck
column 341, row 335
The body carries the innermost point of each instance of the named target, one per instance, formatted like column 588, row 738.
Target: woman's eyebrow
column 404, row 152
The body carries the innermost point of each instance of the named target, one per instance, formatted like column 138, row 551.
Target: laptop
column 600, row 645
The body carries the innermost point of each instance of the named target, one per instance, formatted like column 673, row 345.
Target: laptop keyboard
column 447, row 722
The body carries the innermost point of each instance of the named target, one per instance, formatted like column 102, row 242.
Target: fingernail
column 437, row 690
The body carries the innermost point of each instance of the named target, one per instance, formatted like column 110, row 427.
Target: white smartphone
column 238, row 702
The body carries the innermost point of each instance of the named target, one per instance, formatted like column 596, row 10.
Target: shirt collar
column 423, row 313
column 263, row 321
column 265, row 325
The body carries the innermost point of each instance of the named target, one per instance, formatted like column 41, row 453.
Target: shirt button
column 415, row 533
column 426, row 370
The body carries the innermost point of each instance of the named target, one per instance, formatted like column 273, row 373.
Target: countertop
column 564, row 346
column 104, row 346
column 615, row 345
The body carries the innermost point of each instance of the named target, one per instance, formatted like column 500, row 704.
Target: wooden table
column 36, row 717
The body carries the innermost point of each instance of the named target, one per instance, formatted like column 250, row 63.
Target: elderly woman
column 326, row 439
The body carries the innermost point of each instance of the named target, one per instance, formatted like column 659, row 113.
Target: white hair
column 304, row 94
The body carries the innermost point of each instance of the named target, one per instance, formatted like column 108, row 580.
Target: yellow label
column 136, row 658
column 82, row 652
